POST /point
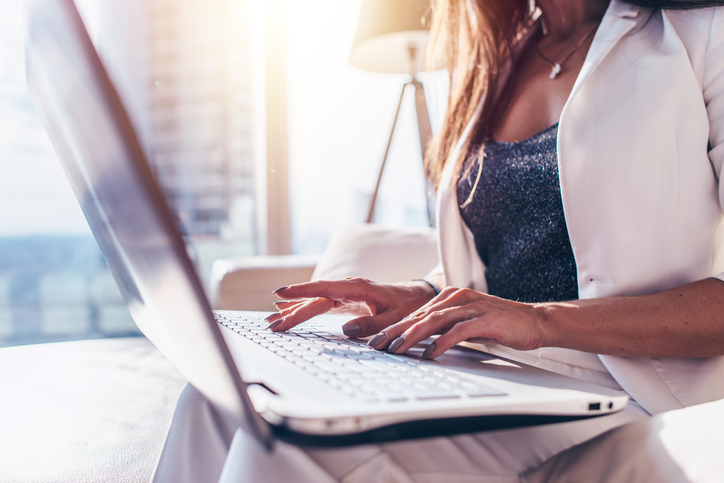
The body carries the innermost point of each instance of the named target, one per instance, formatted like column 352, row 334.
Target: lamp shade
column 386, row 32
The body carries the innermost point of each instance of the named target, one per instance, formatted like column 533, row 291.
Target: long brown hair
column 473, row 39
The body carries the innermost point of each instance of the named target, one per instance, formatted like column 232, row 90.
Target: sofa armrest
column 379, row 253
column 247, row 283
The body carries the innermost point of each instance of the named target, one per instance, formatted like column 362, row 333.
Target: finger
column 434, row 323
column 392, row 333
column 351, row 288
column 473, row 328
column 283, row 312
column 285, row 304
column 386, row 336
column 301, row 313
column 439, row 298
column 272, row 317
column 368, row 325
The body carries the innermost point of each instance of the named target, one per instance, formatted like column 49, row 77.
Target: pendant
column 555, row 70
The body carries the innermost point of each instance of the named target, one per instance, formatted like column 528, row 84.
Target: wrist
column 550, row 317
column 428, row 285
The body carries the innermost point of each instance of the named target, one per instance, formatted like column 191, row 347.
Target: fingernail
column 429, row 350
column 351, row 329
column 281, row 301
column 377, row 340
column 271, row 316
column 396, row 343
column 280, row 289
column 275, row 323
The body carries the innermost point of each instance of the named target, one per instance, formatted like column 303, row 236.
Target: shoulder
column 701, row 32
column 696, row 27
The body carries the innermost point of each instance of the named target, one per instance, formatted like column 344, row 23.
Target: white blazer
column 640, row 188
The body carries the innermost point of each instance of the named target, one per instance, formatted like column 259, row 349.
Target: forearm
column 687, row 321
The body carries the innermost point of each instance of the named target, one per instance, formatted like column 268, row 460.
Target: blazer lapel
column 619, row 19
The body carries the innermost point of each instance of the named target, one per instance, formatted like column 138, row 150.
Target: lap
column 678, row 446
column 199, row 441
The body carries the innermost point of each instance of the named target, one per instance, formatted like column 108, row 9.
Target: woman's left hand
column 464, row 314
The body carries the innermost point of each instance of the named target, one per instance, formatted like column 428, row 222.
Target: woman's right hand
column 377, row 305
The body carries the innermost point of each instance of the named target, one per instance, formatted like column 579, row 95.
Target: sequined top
column 516, row 217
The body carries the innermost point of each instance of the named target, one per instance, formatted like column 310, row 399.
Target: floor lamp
column 391, row 38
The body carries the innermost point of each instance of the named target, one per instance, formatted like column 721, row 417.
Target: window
column 54, row 284
column 182, row 68
column 221, row 92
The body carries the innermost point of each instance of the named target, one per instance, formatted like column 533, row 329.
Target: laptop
column 310, row 386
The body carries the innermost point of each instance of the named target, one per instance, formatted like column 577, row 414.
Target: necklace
column 556, row 67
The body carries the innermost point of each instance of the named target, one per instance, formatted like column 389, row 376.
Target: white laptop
column 310, row 386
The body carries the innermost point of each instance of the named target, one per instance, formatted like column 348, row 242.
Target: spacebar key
column 436, row 395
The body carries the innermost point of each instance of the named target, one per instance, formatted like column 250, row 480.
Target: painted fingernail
column 429, row 350
column 352, row 329
column 281, row 301
column 377, row 340
column 271, row 316
column 275, row 324
column 280, row 289
column 396, row 343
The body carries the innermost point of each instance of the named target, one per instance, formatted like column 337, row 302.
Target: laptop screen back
column 124, row 206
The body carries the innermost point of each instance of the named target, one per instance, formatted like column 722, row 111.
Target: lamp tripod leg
column 371, row 212
column 425, row 131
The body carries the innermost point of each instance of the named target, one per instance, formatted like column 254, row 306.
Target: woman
column 579, row 218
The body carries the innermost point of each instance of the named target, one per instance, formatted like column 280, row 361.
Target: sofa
column 99, row 410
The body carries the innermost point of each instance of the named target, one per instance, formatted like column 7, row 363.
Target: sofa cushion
column 378, row 253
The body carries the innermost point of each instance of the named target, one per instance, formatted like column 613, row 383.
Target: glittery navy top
column 516, row 217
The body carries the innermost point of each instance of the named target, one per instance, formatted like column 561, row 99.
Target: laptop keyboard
column 356, row 369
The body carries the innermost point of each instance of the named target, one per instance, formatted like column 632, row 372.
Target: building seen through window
column 182, row 68
column 198, row 111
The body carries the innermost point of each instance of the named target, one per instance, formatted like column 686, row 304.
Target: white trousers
column 199, row 444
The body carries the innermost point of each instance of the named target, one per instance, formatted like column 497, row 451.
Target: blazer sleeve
column 713, row 92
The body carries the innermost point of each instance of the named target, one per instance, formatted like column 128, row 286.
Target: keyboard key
column 378, row 365
column 436, row 395
column 389, row 396
column 481, row 391
column 333, row 368
column 309, row 357
column 357, row 370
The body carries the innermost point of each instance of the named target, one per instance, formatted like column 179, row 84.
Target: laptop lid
column 125, row 208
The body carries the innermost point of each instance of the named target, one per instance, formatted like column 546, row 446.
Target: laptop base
column 423, row 429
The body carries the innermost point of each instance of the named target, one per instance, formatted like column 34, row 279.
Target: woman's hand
column 464, row 314
column 377, row 305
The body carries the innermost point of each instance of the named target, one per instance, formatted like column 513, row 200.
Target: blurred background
column 263, row 136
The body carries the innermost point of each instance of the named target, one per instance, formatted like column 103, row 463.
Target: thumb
column 370, row 324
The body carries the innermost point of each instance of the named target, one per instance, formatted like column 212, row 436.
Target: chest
column 534, row 97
